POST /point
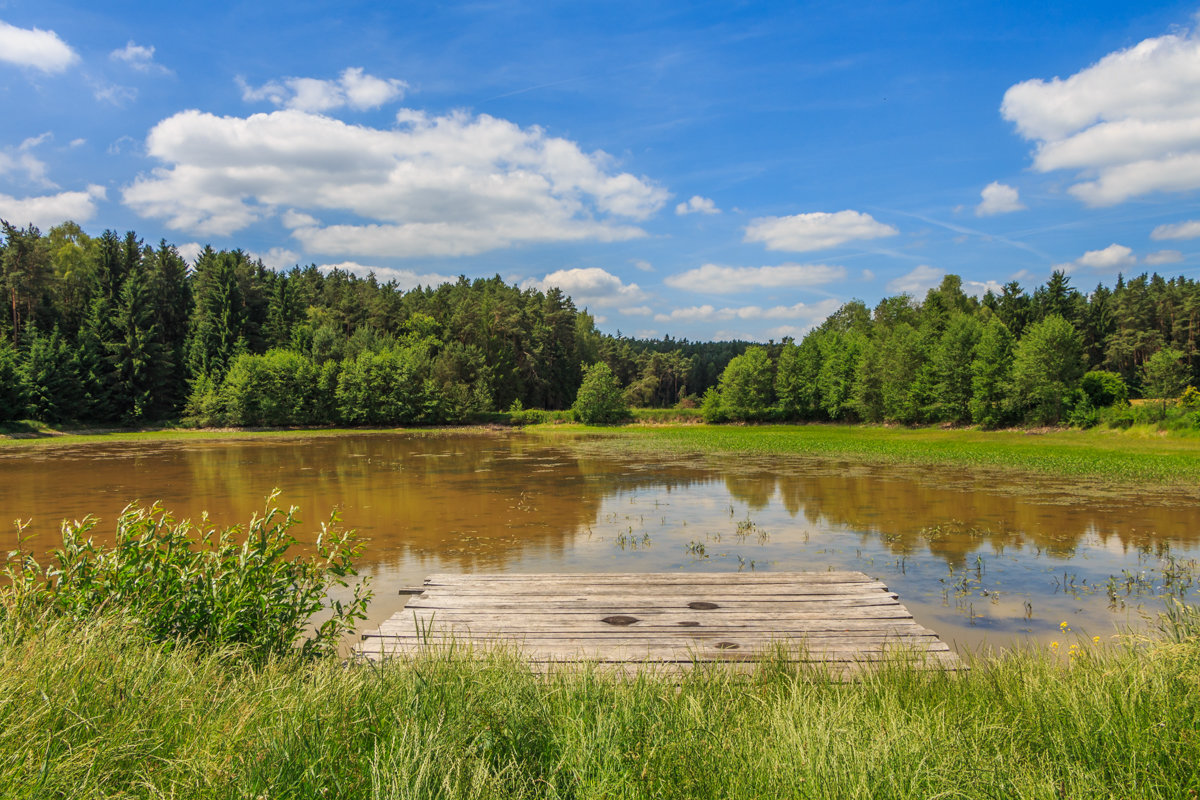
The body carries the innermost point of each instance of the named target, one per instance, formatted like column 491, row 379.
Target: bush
column 600, row 398
column 1104, row 388
column 173, row 581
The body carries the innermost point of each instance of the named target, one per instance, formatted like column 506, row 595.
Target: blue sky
column 699, row 170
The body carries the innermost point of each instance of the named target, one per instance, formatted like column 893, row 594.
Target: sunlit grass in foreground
column 92, row 710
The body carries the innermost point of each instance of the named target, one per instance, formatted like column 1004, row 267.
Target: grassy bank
column 91, row 711
column 1132, row 457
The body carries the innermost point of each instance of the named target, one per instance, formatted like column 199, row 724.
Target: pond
column 980, row 560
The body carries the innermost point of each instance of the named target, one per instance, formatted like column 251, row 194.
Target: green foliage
column 1165, row 374
column 381, row 388
column 991, row 372
column 599, row 399
column 178, row 582
column 796, row 378
column 52, row 378
column 840, row 351
column 13, row 391
column 952, row 365
column 280, row 387
column 1190, row 399
column 1047, row 365
column 747, row 385
column 1104, row 388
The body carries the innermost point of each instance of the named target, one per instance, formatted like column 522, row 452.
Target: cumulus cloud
column 277, row 257
column 590, row 286
column 36, row 48
column 816, row 231
column 716, row 279
column 980, row 288
column 709, row 313
column 354, row 88
column 918, row 281
column 1113, row 258
column 697, row 205
column 21, row 160
column 139, row 57
column 1163, row 257
column 1128, row 124
column 405, row 279
column 190, row 251
column 47, row 211
column 433, row 185
column 1179, row 230
column 998, row 198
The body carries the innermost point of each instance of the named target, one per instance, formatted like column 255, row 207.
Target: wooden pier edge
column 839, row 622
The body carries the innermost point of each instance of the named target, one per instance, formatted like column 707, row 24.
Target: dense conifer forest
column 110, row 330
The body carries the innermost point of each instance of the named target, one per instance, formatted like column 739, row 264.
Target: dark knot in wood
column 702, row 605
column 620, row 619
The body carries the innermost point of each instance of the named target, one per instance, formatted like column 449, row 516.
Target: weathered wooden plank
column 666, row 590
column 728, row 601
column 657, row 578
column 666, row 623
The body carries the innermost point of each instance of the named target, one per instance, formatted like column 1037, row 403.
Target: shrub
column 174, row 581
column 1104, row 388
column 600, row 398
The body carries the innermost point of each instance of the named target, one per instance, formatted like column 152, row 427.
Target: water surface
column 979, row 559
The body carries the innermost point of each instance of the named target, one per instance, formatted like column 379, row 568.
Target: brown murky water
column 972, row 558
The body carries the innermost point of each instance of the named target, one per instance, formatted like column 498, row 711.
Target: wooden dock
column 844, row 620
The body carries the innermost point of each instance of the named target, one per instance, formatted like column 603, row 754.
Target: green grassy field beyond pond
column 1136, row 456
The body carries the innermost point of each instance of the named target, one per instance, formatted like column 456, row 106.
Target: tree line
column 1056, row 356
column 110, row 330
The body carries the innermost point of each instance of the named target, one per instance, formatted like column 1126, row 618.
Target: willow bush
column 182, row 582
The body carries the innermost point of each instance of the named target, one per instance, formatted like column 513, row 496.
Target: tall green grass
column 91, row 710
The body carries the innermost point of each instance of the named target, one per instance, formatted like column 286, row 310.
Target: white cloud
column 590, row 286
column 716, row 279
column 998, row 198
column 1129, row 124
column 1111, row 259
column 139, row 57
column 868, row 275
column 78, row 142
column 33, row 47
column 190, row 251
column 354, row 89
column 697, row 205
column 980, row 288
column 114, row 93
column 1163, row 257
column 1179, row 230
column 277, row 257
column 815, row 231
column 643, row 265
column 637, row 311
column 406, row 279
column 918, row 281
column 49, row 210
column 20, row 159
column 709, row 313
column 449, row 185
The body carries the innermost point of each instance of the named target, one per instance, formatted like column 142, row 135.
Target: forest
column 109, row 330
